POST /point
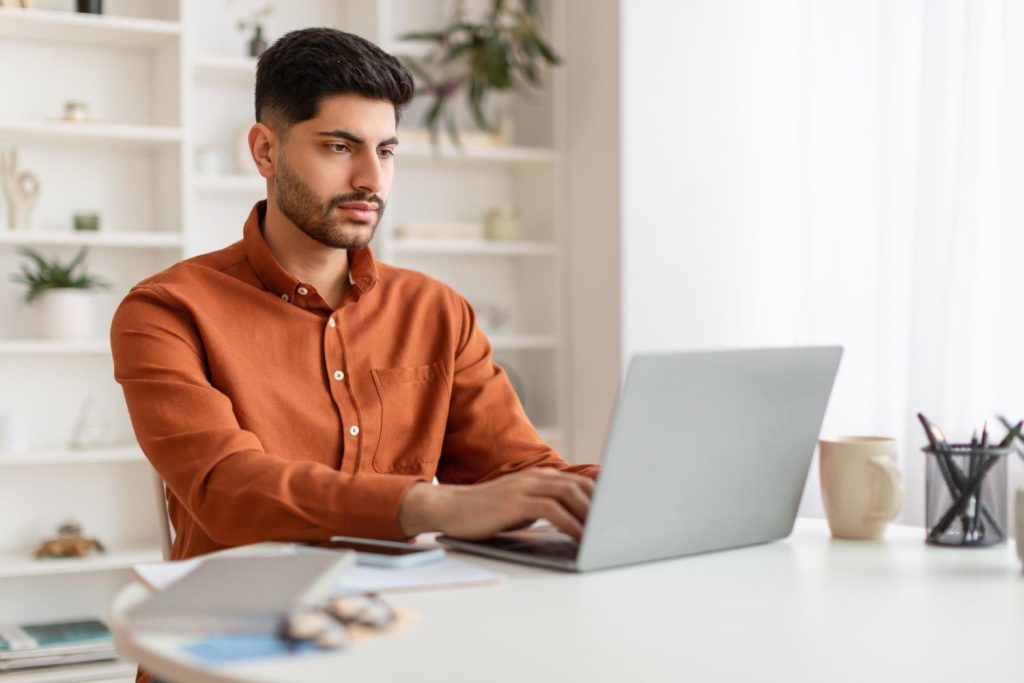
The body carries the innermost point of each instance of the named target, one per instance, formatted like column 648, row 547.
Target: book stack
column 54, row 643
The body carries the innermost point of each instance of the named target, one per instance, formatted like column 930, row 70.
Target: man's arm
column 488, row 437
column 237, row 492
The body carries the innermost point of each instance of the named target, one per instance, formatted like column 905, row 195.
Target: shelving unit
column 166, row 79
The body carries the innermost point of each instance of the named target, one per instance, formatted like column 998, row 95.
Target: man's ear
column 263, row 145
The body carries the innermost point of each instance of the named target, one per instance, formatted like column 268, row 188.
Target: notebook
column 241, row 594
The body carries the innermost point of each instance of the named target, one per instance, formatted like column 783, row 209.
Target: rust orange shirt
column 271, row 416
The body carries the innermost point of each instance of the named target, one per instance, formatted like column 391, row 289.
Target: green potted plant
column 61, row 294
column 502, row 52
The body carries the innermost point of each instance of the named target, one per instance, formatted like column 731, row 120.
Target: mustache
column 355, row 197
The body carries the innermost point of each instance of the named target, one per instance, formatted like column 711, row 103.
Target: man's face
column 334, row 171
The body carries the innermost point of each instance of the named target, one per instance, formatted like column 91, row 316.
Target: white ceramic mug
column 13, row 432
column 861, row 485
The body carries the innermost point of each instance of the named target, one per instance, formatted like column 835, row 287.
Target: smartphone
column 373, row 553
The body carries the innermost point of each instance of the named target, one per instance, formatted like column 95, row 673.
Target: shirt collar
column 362, row 268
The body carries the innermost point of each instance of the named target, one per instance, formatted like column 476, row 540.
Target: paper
column 360, row 579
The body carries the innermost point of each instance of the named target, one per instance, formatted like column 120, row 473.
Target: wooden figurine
column 69, row 543
column 21, row 190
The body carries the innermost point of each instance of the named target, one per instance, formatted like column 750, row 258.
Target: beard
column 317, row 218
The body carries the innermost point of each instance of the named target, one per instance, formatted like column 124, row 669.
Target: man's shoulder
column 197, row 271
column 408, row 282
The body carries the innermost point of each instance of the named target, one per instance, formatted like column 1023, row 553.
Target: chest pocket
column 414, row 412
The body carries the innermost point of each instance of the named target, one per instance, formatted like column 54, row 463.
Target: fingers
column 552, row 511
column 569, row 493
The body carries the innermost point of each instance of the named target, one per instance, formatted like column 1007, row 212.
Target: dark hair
column 305, row 66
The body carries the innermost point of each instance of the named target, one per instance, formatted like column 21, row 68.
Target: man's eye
column 337, row 147
column 387, row 153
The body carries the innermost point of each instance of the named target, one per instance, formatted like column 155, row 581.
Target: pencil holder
column 966, row 495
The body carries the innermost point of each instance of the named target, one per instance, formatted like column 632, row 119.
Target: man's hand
column 512, row 501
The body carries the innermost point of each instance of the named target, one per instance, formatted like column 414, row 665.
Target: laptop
column 706, row 451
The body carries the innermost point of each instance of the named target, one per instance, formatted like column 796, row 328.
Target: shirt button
column 339, row 375
column 331, row 322
column 284, row 297
column 353, row 430
column 303, row 291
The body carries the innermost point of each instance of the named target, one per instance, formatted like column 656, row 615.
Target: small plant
column 504, row 51
column 44, row 274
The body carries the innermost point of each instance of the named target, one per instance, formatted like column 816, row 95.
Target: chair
column 163, row 522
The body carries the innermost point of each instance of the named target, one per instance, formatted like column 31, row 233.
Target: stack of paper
column 54, row 643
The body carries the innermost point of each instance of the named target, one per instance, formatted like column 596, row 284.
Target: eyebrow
column 345, row 135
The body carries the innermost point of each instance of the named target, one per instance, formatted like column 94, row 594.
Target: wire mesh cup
column 966, row 495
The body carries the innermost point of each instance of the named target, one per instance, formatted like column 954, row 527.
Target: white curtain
column 913, row 218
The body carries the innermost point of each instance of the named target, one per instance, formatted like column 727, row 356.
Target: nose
column 368, row 174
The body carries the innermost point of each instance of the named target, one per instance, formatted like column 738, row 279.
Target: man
column 289, row 387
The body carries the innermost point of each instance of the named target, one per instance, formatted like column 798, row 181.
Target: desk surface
column 807, row 608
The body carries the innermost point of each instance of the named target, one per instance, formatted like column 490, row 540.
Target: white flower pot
column 65, row 313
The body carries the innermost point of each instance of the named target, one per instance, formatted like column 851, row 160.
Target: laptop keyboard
column 563, row 549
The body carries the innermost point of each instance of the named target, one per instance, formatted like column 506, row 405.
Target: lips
column 363, row 211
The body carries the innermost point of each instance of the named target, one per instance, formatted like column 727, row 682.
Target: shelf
column 101, row 672
column 72, row 27
column 124, row 134
column 68, row 238
column 60, row 347
column 22, row 564
column 471, row 247
column 241, row 70
column 423, row 152
column 230, row 182
column 515, row 342
column 127, row 453
column 408, row 48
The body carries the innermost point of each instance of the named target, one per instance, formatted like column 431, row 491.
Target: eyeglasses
column 328, row 626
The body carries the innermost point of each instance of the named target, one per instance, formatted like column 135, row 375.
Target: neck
column 326, row 268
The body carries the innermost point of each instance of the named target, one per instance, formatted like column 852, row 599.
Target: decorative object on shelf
column 89, row 6
column 21, row 190
column 61, row 294
column 209, row 160
column 13, row 432
column 69, row 543
column 966, row 487
column 491, row 317
column 254, row 23
column 439, row 230
column 502, row 223
column 92, row 429
column 85, row 221
column 76, row 111
column 499, row 53
column 861, row 485
column 514, row 379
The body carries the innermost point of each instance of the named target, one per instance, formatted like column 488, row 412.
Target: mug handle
column 893, row 499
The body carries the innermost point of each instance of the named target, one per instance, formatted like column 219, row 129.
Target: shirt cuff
column 371, row 505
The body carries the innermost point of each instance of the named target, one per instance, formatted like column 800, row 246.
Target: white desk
column 803, row 609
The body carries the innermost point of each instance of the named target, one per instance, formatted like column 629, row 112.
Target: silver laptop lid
column 706, row 451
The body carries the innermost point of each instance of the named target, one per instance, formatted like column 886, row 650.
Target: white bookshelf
column 69, row 27
column 473, row 247
column 15, row 564
column 164, row 79
column 54, row 132
column 113, row 671
column 113, row 240
column 54, row 347
column 48, row 458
